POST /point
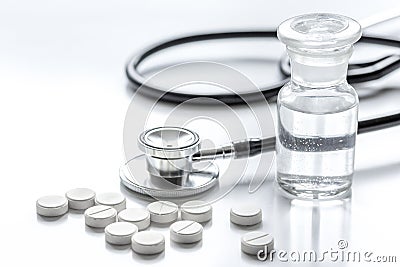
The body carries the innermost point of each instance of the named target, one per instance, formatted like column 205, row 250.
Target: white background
column 63, row 98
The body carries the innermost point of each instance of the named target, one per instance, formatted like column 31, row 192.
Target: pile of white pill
column 128, row 226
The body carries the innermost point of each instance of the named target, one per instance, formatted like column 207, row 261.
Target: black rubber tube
column 268, row 91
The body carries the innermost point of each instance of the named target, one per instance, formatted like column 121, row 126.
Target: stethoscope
column 171, row 154
column 357, row 73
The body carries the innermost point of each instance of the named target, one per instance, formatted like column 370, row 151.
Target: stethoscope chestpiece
column 169, row 150
column 169, row 142
column 166, row 168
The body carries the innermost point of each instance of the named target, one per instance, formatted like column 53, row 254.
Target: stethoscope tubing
column 358, row 73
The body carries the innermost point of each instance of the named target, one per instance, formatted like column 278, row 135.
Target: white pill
column 148, row 242
column 100, row 216
column 163, row 211
column 80, row 198
column 115, row 200
column 186, row 232
column 253, row 242
column 246, row 215
column 196, row 210
column 120, row 233
column 52, row 206
column 137, row 216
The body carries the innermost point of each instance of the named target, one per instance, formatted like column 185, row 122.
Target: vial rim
column 346, row 36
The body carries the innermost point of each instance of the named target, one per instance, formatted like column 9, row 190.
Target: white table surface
column 63, row 99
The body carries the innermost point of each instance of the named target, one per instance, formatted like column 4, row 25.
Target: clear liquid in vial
column 315, row 143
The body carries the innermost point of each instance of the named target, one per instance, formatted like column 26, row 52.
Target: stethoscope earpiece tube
column 380, row 123
column 358, row 73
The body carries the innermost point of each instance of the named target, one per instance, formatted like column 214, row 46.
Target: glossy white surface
column 63, row 99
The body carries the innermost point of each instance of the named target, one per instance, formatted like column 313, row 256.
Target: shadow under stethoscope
column 145, row 199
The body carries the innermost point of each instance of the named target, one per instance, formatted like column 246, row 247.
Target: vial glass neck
column 319, row 68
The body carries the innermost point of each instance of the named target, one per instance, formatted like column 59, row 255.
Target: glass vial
column 317, row 109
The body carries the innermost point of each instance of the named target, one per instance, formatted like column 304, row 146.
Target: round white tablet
column 137, row 216
column 163, row 211
column 253, row 242
column 51, row 206
column 120, row 233
column 196, row 210
column 115, row 200
column 100, row 216
column 80, row 198
column 186, row 232
column 246, row 215
column 148, row 242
